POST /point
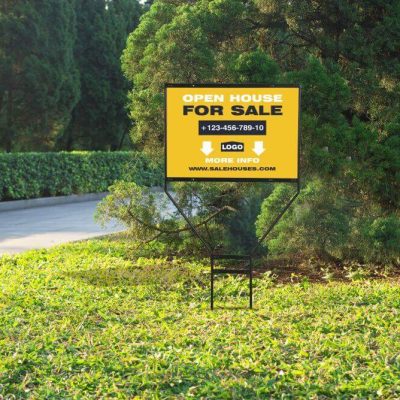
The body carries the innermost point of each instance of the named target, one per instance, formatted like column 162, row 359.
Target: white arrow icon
column 207, row 148
column 258, row 147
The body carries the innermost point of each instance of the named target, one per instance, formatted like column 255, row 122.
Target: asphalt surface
column 34, row 228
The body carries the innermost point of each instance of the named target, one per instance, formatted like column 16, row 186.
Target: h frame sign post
column 227, row 132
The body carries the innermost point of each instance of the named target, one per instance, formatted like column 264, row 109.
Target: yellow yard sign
column 232, row 132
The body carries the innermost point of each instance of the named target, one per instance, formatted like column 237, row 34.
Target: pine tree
column 99, row 120
column 38, row 76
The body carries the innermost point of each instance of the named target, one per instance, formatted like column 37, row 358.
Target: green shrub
column 224, row 214
column 376, row 239
column 384, row 234
column 31, row 175
column 322, row 222
column 317, row 223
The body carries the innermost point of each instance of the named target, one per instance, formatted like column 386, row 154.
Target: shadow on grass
column 163, row 276
column 110, row 276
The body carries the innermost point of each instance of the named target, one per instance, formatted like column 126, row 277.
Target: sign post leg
column 251, row 282
column 212, row 282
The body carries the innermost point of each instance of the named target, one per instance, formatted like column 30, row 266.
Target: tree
column 99, row 120
column 343, row 53
column 38, row 76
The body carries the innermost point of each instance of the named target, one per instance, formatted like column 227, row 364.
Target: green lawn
column 83, row 321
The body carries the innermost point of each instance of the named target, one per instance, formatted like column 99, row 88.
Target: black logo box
column 232, row 146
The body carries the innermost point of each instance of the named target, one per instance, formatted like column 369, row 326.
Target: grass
column 84, row 321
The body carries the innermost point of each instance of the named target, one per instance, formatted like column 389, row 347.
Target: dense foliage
column 61, row 85
column 30, row 175
column 222, row 213
column 344, row 54
column 100, row 119
column 39, row 80
column 330, row 227
column 86, row 321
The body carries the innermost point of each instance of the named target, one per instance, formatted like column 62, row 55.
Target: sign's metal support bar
column 276, row 220
column 186, row 218
column 248, row 269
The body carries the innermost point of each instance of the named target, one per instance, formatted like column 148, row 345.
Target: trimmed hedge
column 32, row 175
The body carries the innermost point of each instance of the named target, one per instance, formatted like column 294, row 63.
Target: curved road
column 38, row 227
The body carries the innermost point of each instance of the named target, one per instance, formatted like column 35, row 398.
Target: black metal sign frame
column 248, row 269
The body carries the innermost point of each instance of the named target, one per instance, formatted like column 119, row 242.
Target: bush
column 317, row 223
column 224, row 214
column 31, row 175
column 376, row 239
column 324, row 223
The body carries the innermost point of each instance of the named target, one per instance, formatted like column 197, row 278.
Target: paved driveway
column 39, row 227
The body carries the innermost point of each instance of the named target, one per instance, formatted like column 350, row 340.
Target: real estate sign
column 232, row 132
